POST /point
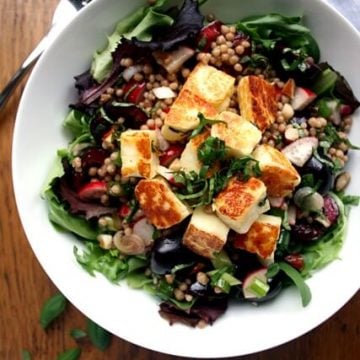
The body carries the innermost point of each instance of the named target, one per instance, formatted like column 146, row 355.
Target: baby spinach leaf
column 78, row 334
column 98, row 335
column 26, row 355
column 71, row 354
column 52, row 309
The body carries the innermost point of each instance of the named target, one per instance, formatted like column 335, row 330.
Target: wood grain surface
column 24, row 285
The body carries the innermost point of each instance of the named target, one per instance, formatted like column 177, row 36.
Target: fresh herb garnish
column 333, row 137
column 52, row 309
column 211, row 150
column 204, row 122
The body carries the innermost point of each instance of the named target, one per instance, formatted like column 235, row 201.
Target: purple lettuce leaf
column 90, row 94
column 186, row 26
column 206, row 310
column 77, row 206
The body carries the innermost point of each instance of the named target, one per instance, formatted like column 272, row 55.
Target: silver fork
column 64, row 12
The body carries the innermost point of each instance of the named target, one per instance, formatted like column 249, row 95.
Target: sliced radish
column 174, row 60
column 295, row 260
column 302, row 98
column 93, row 190
column 301, row 150
column 291, row 211
column 129, row 72
column 345, row 110
column 208, row 34
column 168, row 175
column 276, row 202
column 134, row 91
column 145, row 230
column 255, row 284
column 174, row 151
column 162, row 142
column 124, row 210
column 164, row 92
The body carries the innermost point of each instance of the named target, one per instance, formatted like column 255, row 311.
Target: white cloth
column 350, row 9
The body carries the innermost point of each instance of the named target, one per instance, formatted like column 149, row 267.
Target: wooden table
column 24, row 286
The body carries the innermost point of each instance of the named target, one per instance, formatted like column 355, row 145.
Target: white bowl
column 131, row 314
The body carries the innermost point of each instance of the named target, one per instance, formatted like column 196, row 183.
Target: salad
column 207, row 160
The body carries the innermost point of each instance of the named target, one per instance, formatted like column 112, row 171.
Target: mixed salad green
column 87, row 196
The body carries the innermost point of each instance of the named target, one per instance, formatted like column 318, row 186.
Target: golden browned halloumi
column 261, row 239
column 138, row 156
column 239, row 134
column 212, row 85
column 172, row 135
column 160, row 205
column 189, row 160
column 241, row 203
column 183, row 114
column 257, row 101
column 277, row 173
column 206, row 234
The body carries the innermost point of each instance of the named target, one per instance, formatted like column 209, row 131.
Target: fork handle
column 14, row 81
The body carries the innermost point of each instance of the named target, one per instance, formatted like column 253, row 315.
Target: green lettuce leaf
column 326, row 249
column 111, row 264
column 65, row 221
column 139, row 24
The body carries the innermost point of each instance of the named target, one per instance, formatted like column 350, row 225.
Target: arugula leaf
column 353, row 200
column 99, row 337
column 71, row 354
column 284, row 39
column 52, row 309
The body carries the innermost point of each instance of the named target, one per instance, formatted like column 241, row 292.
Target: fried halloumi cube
column 138, row 156
column 171, row 134
column 214, row 86
column 277, row 173
column 183, row 114
column 206, row 234
column 240, row 135
column 241, row 203
column 262, row 237
column 160, row 205
column 257, row 101
column 189, row 160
